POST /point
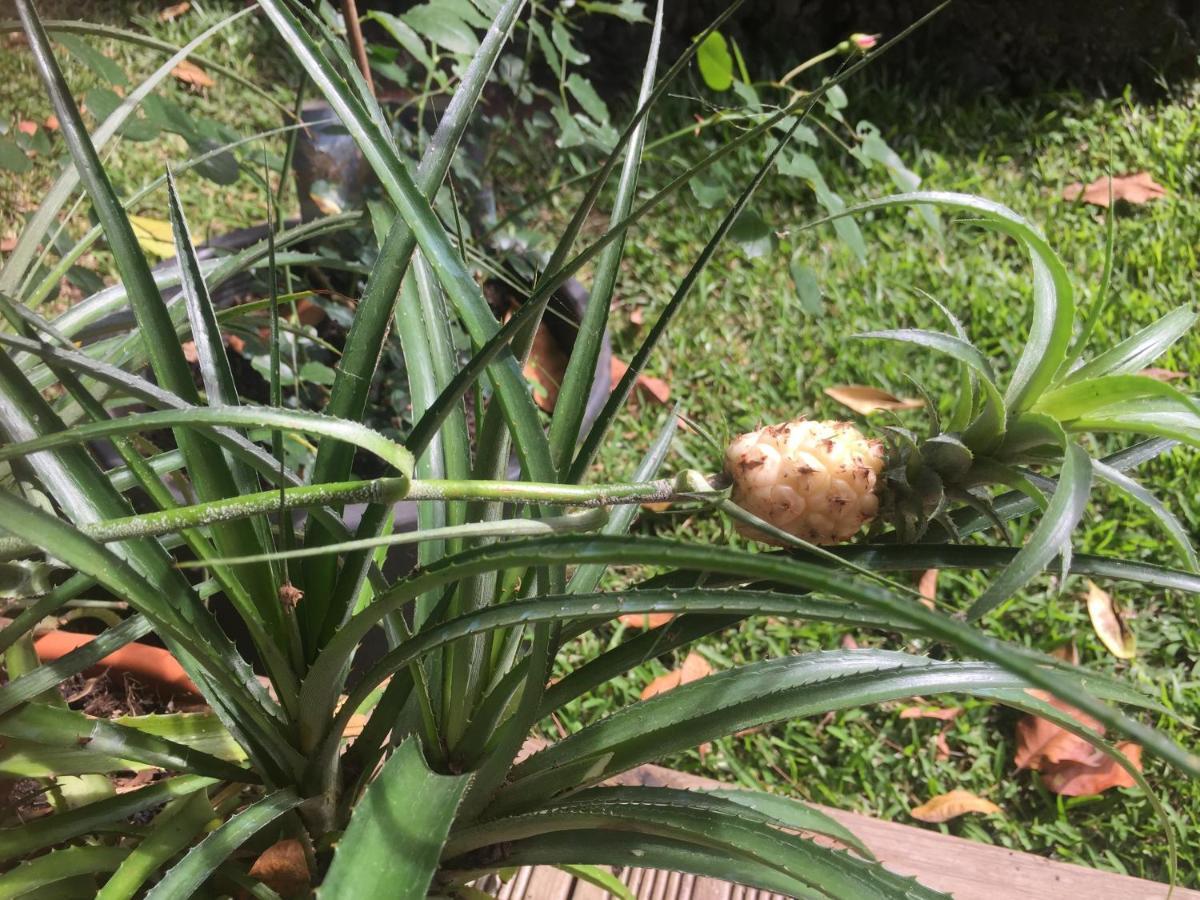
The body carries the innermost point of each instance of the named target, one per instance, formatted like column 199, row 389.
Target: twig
column 357, row 47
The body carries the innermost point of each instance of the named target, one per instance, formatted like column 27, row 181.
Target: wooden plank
column 966, row 869
column 548, row 883
column 585, row 890
column 711, row 889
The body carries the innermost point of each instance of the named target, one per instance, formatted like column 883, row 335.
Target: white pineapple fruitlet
column 818, row 481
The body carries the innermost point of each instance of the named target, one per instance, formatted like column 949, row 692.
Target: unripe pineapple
column 822, row 482
column 815, row 480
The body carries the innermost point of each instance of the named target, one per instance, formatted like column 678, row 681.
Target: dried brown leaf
column 174, row 11
column 51, row 123
column 942, row 745
column 645, row 620
column 694, row 668
column 944, row 714
column 646, row 385
column 1081, row 779
column 192, row 75
column 1108, row 623
column 1136, row 189
column 865, row 400
column 951, row 805
column 637, row 316
column 283, row 868
column 1041, row 743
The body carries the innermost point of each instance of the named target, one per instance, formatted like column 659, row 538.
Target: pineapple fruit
column 822, row 481
column 818, row 481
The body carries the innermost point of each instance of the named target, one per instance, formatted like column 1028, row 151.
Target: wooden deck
column 965, row 869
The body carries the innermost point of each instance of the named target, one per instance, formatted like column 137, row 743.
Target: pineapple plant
column 333, row 764
column 820, row 482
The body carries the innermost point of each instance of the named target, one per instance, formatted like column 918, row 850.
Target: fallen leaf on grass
column 1041, row 743
column 174, row 11
column 1162, row 374
column 1078, row 779
column 1070, row 766
column 942, row 745
column 694, row 668
column 1108, row 623
column 865, row 400
column 283, row 868
column 637, row 316
column 153, row 235
column 192, row 75
column 645, row 620
column 646, row 385
column 958, row 802
column 1136, row 189
column 27, row 127
column 51, row 123
column 943, row 714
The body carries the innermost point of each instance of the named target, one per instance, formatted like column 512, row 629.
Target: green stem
column 809, row 63
column 379, row 490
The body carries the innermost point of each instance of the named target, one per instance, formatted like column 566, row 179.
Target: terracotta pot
column 152, row 666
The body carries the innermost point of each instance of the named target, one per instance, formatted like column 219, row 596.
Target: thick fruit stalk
column 815, row 480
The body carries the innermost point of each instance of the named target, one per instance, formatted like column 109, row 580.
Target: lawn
column 747, row 351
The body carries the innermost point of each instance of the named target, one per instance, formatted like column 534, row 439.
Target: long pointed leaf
column 512, row 391
column 752, row 567
column 65, row 727
column 1170, row 523
column 1140, row 349
column 1051, row 537
column 409, row 806
column 190, row 873
column 61, row 827
column 576, row 386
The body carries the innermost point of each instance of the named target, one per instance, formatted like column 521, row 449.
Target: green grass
column 131, row 164
column 745, row 352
